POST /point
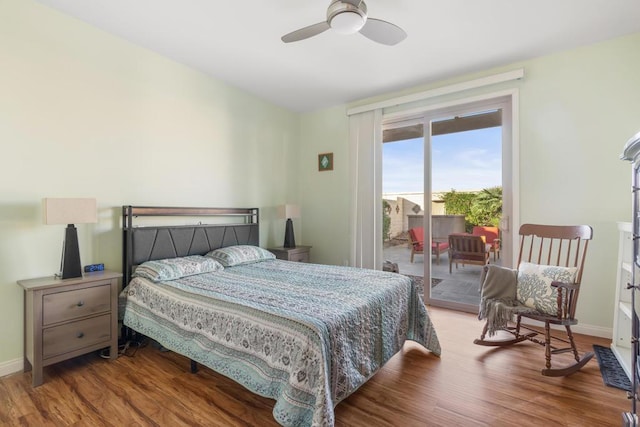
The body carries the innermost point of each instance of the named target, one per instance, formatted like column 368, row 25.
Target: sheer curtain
column 365, row 138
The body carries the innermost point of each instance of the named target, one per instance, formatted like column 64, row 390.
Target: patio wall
column 403, row 217
column 402, row 209
column 441, row 225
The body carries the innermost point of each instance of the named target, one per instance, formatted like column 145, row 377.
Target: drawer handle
column 80, row 303
column 80, row 335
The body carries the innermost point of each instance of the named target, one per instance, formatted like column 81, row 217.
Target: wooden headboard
column 145, row 241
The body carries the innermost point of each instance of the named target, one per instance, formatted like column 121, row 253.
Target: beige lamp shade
column 70, row 211
column 288, row 211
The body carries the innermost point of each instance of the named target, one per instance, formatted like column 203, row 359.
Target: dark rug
column 612, row 373
column 419, row 282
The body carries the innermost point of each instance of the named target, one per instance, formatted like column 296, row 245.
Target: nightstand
column 299, row 253
column 68, row 318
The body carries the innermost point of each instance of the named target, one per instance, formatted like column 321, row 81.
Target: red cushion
column 417, row 235
column 490, row 233
column 441, row 245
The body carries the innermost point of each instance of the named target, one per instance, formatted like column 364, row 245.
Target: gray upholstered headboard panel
column 149, row 242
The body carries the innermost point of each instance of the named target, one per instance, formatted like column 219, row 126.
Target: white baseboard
column 11, row 367
column 594, row 331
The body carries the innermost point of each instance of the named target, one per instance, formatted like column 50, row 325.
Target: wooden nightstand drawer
column 74, row 304
column 73, row 336
column 297, row 254
column 299, row 257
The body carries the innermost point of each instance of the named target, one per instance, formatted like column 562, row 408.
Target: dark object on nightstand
column 299, row 253
column 71, row 254
column 70, row 212
column 289, row 238
column 288, row 212
column 93, row 267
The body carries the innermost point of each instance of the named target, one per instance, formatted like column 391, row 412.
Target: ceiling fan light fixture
column 345, row 18
column 348, row 17
column 347, row 23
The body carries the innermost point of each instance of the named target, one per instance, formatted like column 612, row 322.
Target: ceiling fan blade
column 383, row 32
column 306, row 32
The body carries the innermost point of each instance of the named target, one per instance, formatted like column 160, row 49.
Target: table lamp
column 288, row 212
column 70, row 212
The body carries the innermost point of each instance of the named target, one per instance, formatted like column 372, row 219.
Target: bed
column 305, row 335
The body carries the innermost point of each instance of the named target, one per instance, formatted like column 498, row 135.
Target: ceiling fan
column 349, row 17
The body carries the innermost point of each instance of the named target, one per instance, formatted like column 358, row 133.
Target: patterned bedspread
column 306, row 335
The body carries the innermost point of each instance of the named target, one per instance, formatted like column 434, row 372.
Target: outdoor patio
column 459, row 286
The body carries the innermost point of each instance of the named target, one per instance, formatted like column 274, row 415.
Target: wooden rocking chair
column 544, row 288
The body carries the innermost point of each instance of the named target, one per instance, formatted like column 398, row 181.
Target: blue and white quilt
column 306, row 335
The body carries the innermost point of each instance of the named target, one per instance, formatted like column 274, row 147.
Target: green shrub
column 478, row 208
column 386, row 220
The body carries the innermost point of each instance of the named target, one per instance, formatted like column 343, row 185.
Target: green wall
column 577, row 109
column 86, row 114
column 324, row 195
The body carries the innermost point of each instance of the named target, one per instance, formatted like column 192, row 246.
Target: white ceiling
column 239, row 41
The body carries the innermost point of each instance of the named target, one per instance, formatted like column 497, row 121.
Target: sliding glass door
column 462, row 156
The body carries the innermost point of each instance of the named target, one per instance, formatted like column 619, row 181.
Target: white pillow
column 534, row 285
column 240, row 254
column 175, row 268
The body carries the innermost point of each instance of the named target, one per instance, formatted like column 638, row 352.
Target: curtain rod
column 444, row 90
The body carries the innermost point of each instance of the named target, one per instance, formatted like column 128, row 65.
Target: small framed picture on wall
column 325, row 162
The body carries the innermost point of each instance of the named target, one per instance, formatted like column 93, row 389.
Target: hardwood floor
column 468, row 386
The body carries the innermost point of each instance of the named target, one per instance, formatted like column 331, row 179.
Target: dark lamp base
column 289, row 238
column 71, row 266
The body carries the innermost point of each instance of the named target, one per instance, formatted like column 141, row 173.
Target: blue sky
column 461, row 161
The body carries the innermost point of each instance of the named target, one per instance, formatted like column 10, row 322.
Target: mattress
column 306, row 335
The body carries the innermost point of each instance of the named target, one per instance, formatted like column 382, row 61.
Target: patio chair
column 416, row 239
column 492, row 238
column 467, row 249
column 545, row 288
